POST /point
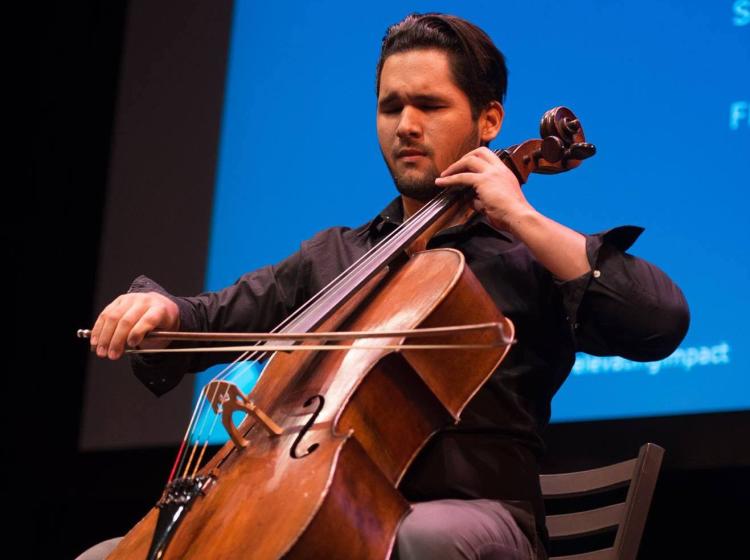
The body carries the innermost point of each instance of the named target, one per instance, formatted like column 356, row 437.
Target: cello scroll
column 561, row 148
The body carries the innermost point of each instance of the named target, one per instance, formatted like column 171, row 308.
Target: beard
column 411, row 183
column 420, row 188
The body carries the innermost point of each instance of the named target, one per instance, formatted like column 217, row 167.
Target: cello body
column 353, row 422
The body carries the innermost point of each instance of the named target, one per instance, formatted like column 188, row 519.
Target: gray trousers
column 442, row 529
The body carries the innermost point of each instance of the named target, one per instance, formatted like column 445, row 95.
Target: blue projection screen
column 661, row 88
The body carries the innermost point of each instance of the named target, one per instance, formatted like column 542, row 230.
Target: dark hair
column 477, row 65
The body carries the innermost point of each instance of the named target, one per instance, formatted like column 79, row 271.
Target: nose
column 409, row 125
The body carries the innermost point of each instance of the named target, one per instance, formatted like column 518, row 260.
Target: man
column 440, row 87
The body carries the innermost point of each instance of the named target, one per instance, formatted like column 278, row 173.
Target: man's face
column 424, row 120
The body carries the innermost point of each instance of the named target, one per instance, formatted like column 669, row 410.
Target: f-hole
column 294, row 452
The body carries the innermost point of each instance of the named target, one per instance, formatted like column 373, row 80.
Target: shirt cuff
column 621, row 238
column 187, row 319
column 160, row 372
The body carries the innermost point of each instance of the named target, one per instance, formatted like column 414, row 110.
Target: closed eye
column 390, row 109
column 392, row 103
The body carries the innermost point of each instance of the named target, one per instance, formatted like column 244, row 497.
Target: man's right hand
column 128, row 319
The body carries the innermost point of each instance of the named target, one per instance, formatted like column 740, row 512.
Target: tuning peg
column 553, row 149
column 580, row 150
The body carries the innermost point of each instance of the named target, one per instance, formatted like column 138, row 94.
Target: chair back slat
column 601, row 554
column 583, row 523
column 568, row 485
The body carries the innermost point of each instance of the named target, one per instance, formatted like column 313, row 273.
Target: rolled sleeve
column 624, row 306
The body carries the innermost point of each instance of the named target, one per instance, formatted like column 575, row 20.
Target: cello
column 330, row 430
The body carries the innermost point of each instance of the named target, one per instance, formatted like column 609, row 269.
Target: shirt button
column 576, row 325
column 597, row 273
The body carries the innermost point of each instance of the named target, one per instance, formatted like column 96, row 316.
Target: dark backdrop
column 67, row 499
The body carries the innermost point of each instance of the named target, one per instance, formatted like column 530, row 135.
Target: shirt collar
column 392, row 216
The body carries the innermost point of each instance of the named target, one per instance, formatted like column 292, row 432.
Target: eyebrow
column 421, row 98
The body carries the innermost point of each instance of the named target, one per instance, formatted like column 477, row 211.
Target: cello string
column 178, row 464
column 196, row 440
column 208, row 436
column 198, row 414
column 201, row 406
column 199, row 461
column 197, row 417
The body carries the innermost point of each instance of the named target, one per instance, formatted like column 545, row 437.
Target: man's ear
column 490, row 122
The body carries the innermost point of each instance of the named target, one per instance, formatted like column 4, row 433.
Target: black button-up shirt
column 624, row 306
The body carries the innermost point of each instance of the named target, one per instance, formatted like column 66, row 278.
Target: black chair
column 626, row 517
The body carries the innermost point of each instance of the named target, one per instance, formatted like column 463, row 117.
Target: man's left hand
column 498, row 192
